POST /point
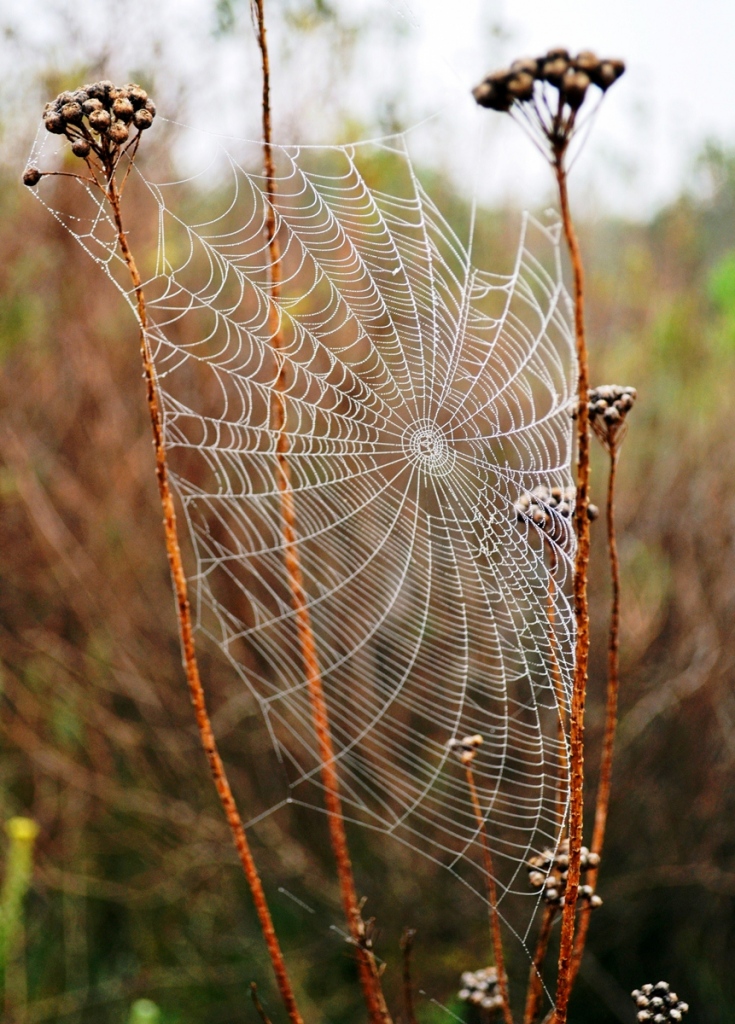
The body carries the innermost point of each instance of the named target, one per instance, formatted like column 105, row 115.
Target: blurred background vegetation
column 136, row 892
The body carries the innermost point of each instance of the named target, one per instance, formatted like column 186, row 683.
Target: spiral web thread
column 423, row 396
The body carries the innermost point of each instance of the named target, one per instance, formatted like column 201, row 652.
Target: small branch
column 558, row 687
column 186, row 630
column 613, row 668
column 406, row 947
column 367, row 967
column 497, row 939
column 256, row 1002
column 535, row 985
column 611, row 711
column 581, row 608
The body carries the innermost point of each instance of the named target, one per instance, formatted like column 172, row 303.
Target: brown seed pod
column 118, row 132
column 593, row 512
column 558, row 53
column 574, row 87
column 608, row 73
column 122, row 108
column 150, row 106
column 587, row 61
column 72, row 112
column 31, row 176
column 80, row 96
column 136, row 95
column 142, row 119
column 96, row 90
column 91, row 105
column 80, row 147
column 492, row 96
column 54, row 123
column 100, row 120
column 554, row 69
column 528, row 65
column 520, row 86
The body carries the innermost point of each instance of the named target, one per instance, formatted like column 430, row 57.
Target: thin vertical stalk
column 186, row 631
column 257, row 1004
column 534, row 990
column 613, row 668
column 497, row 939
column 558, row 687
column 535, row 986
column 581, row 609
column 611, row 711
column 406, row 948
column 367, row 967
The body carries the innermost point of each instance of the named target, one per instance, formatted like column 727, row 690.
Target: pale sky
column 421, row 58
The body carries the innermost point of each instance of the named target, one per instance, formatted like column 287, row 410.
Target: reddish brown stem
column 497, row 938
column 611, row 711
column 186, row 631
column 406, row 948
column 581, row 610
column 613, row 676
column 367, row 967
column 257, row 1004
column 558, row 687
column 535, row 985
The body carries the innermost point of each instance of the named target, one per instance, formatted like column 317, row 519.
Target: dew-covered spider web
column 424, row 396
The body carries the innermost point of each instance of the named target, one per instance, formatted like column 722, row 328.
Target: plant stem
column 186, row 631
column 406, row 947
column 535, row 988
column 611, row 710
column 367, row 967
column 581, row 609
column 497, row 938
column 257, row 1004
column 558, row 688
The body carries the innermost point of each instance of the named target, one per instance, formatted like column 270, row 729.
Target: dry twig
column 367, row 967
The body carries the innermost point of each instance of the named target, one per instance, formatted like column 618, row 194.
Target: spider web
column 423, row 396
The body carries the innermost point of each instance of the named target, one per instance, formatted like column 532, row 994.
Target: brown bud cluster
column 609, row 406
column 98, row 118
column 548, row 872
column 658, row 1004
column 570, row 76
column 543, row 505
column 466, row 749
column 481, row 989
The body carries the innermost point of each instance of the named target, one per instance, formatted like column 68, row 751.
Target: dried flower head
column 658, row 1004
column 609, row 406
column 545, row 93
column 98, row 120
column 548, row 872
column 31, row 176
column 466, row 749
column 551, row 509
column 481, row 989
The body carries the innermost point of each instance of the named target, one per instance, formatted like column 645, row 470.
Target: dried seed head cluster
column 480, row 988
column 548, row 90
column 466, row 749
column 609, row 406
column 547, row 507
column 97, row 119
column 548, row 872
column 658, row 1004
